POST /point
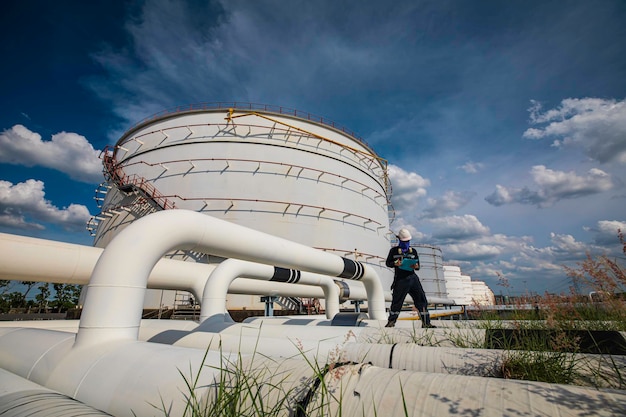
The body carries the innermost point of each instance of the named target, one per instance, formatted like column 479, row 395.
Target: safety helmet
column 404, row 235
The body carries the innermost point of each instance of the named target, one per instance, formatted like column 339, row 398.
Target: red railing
column 117, row 175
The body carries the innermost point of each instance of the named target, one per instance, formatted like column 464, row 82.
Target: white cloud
column 69, row 153
column 472, row 167
column 553, row 186
column 596, row 125
column 472, row 251
column 22, row 205
column 606, row 232
column 566, row 247
column 407, row 189
column 416, row 235
column 448, row 203
column 458, row 227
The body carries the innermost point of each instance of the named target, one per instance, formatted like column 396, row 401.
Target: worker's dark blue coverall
column 406, row 282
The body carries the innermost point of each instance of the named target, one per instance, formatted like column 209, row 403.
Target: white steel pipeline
column 116, row 289
column 122, row 378
column 595, row 370
column 216, row 288
column 333, row 345
column 125, row 378
column 363, row 390
column 68, row 263
column 20, row 397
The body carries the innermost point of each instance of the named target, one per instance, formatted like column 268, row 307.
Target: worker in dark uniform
column 405, row 261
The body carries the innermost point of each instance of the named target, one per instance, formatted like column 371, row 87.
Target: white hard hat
column 404, row 235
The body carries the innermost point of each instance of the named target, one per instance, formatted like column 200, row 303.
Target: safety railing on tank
column 287, row 204
column 386, row 184
column 298, row 170
column 250, row 107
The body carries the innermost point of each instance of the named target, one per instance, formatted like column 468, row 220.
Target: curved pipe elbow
column 214, row 296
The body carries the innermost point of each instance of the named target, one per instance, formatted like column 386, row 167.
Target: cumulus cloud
column 446, row 204
column 69, row 153
column 23, row 205
column 407, row 189
column 566, row 247
column 598, row 126
column 458, row 227
column 606, row 232
column 471, row 251
column 553, row 186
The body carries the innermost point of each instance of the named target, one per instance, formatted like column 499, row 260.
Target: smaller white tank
column 482, row 294
column 454, row 284
column 431, row 273
column 468, row 290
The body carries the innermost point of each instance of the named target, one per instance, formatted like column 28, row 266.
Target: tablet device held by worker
column 407, row 264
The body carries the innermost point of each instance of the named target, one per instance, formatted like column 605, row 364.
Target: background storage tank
column 431, row 273
column 482, row 294
column 277, row 170
column 454, row 284
column 468, row 289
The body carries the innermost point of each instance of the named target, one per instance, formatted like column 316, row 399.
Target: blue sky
column 503, row 122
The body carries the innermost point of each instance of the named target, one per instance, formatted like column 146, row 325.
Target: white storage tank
column 277, row 170
column 431, row 273
column 482, row 295
column 468, row 289
column 454, row 284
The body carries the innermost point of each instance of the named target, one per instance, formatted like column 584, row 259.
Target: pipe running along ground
column 68, row 263
column 114, row 300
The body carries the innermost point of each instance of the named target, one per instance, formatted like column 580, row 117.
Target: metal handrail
column 291, row 166
column 251, row 107
column 117, row 175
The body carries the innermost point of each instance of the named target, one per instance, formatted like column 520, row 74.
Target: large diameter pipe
column 31, row 259
column 123, row 378
column 214, row 297
column 21, row 397
column 363, row 390
column 589, row 369
column 116, row 289
column 69, row 263
column 40, row 260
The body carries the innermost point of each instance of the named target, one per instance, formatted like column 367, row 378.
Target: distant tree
column 66, row 296
column 12, row 300
column 29, row 286
column 4, row 286
column 43, row 297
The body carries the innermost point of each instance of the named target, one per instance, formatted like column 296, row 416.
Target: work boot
column 390, row 323
column 425, row 317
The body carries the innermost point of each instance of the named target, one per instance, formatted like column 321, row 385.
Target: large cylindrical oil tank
column 431, row 273
column 273, row 169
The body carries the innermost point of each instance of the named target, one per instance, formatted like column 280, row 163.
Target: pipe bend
column 114, row 300
column 216, row 288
